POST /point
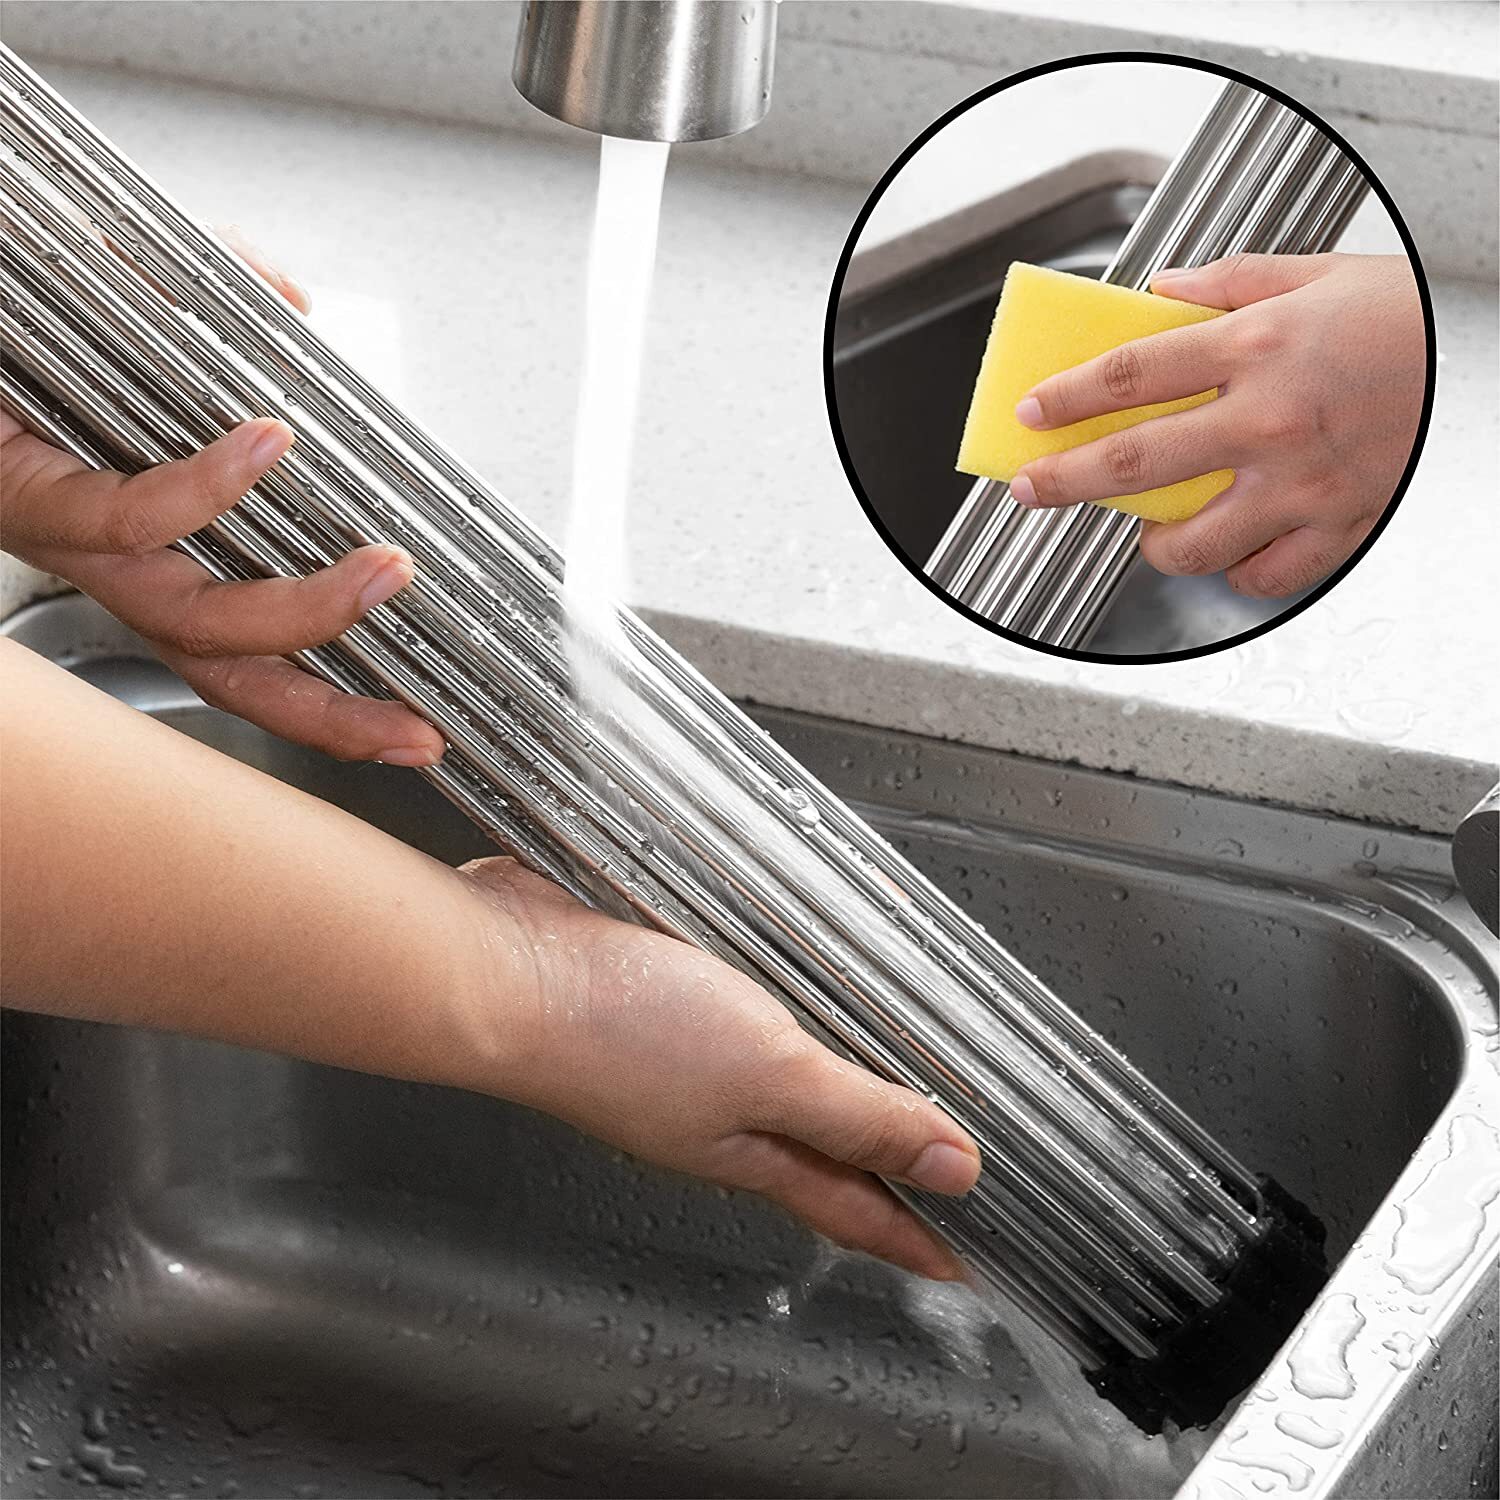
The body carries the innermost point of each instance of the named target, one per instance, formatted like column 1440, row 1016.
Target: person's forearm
column 149, row 880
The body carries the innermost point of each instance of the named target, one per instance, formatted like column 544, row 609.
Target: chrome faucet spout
column 648, row 70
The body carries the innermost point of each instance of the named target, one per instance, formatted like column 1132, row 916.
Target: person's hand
column 658, row 1048
column 1320, row 366
column 110, row 536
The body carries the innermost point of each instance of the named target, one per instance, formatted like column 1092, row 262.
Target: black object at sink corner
column 1206, row 1362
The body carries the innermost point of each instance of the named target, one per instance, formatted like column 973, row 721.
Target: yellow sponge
column 1049, row 321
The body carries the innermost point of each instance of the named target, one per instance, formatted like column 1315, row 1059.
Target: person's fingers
column 1235, row 523
column 1294, row 562
column 289, row 702
column 1238, row 280
column 258, row 261
column 170, row 599
column 74, row 509
column 845, row 1112
column 848, row 1206
column 1162, row 451
column 1163, row 367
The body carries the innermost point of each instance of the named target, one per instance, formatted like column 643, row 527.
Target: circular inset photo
column 1134, row 401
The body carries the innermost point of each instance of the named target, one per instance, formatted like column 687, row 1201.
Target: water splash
column 956, row 1316
column 1107, row 1453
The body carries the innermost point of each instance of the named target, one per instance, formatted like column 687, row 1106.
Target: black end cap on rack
column 1202, row 1365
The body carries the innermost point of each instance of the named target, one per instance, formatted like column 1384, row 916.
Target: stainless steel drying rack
column 134, row 336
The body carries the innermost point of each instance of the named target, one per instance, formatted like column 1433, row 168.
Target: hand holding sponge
column 1049, row 321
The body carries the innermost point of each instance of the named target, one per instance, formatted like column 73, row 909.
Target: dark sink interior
column 227, row 1273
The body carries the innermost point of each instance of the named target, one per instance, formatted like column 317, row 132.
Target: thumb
column 847, row 1113
column 1238, row 280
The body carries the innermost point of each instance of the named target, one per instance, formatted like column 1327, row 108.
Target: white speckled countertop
column 447, row 260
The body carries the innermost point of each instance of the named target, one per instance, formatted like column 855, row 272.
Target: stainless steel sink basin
column 911, row 325
column 227, row 1273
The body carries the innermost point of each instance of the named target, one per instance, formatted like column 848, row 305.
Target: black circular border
column 1088, row 59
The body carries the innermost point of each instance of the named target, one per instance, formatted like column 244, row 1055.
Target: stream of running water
column 622, row 259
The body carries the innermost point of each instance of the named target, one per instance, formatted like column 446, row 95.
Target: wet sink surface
column 227, row 1273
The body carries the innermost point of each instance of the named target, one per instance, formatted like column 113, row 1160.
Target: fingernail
column 1167, row 272
column 1022, row 490
column 942, row 1168
column 271, row 441
column 407, row 755
column 288, row 284
column 1029, row 412
column 950, row 1269
column 391, row 579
